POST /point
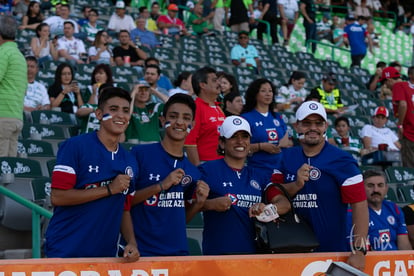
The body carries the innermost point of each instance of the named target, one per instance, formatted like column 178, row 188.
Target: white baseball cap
column 120, row 5
column 232, row 124
column 309, row 108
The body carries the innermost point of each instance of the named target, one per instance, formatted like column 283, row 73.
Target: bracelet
column 162, row 189
column 109, row 190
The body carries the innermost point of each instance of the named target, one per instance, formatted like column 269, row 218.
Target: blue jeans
column 310, row 32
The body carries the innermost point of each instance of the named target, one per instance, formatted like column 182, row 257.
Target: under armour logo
column 259, row 123
column 156, row 177
column 290, row 177
column 91, row 169
column 225, row 184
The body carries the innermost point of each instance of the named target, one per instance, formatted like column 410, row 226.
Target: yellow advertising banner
column 390, row 263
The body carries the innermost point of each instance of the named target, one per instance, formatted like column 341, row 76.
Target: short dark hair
column 142, row 9
column 153, row 66
column 154, row 3
column 123, row 31
column 146, row 61
column 230, row 97
column 199, row 76
column 182, row 76
column 69, row 22
column 342, row 118
column 373, row 172
column 31, row 58
column 112, row 92
column 95, row 11
column 182, row 99
column 410, row 70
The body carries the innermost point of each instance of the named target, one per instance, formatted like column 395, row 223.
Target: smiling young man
column 167, row 181
column 323, row 180
column 91, row 181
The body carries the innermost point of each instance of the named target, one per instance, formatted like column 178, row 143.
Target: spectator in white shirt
column 119, row 20
column 36, row 94
column 289, row 13
column 70, row 49
column 377, row 133
column 56, row 22
column 100, row 51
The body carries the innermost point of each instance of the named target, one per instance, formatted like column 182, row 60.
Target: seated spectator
column 343, row 138
column 198, row 22
column 33, row 17
column 289, row 14
column 220, row 211
column 120, row 20
column 85, row 19
column 102, row 74
column 91, row 28
column 155, row 11
column 374, row 81
column 170, row 24
column 228, row 84
column 232, row 104
column 150, row 24
column 144, row 125
column 129, row 54
column 70, row 48
column 152, row 75
column 363, row 10
column 244, row 54
column 99, row 52
column 143, row 37
column 86, row 113
column 163, row 82
column 329, row 95
column 324, row 28
column 36, row 97
column 376, row 134
column 182, row 84
column 56, row 22
column 41, row 46
column 20, row 8
column 65, row 92
column 387, row 229
column 292, row 94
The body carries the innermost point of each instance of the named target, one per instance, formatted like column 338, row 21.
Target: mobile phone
column 74, row 83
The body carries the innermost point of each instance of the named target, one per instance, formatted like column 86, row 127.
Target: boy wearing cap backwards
column 323, row 180
column 328, row 94
column 377, row 133
column 166, row 179
column 234, row 189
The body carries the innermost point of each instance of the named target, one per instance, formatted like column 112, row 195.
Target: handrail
column 267, row 28
column 37, row 211
column 333, row 47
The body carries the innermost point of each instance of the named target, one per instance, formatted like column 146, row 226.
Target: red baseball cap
column 389, row 73
column 381, row 110
column 172, row 7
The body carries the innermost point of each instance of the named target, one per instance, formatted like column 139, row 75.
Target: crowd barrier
column 389, row 263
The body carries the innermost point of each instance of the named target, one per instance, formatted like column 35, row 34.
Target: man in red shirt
column 403, row 104
column 202, row 142
column 170, row 24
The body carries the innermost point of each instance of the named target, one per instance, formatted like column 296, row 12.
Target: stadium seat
column 20, row 167
column 407, row 192
column 41, row 151
column 398, row 174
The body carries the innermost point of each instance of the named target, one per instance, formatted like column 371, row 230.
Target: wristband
column 362, row 249
column 162, row 189
column 109, row 190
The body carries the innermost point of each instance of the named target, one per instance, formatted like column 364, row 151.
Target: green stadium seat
column 21, row 167
column 398, row 174
column 407, row 192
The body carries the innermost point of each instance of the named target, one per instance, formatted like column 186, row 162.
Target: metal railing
column 37, row 212
column 333, row 47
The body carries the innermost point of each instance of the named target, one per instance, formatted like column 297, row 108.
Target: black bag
column 288, row 234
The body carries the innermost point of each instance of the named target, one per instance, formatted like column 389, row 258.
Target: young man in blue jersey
column 235, row 193
column 356, row 36
column 387, row 229
column 169, row 192
column 323, row 180
column 91, row 182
